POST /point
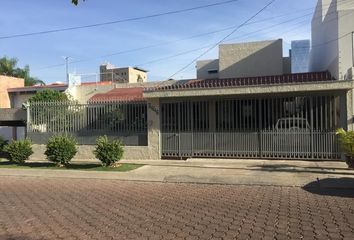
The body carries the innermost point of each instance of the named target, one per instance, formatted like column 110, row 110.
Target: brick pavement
column 40, row 208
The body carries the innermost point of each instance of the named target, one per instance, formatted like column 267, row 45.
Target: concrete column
column 349, row 97
column 346, row 110
column 14, row 133
column 153, row 119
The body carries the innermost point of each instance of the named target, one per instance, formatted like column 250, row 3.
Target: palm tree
column 8, row 68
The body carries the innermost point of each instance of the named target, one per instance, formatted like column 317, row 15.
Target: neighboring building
column 6, row 83
column 332, row 38
column 9, row 129
column 208, row 69
column 300, row 56
column 20, row 95
column 109, row 72
column 246, row 60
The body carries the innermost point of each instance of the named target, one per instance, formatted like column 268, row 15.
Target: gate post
column 28, row 120
column 260, row 128
column 346, row 110
column 153, row 119
column 212, row 123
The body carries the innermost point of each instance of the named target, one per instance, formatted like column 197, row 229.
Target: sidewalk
column 216, row 171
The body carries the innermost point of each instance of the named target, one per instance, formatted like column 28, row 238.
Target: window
column 213, row 71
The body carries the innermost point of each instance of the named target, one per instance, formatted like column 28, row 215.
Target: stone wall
column 85, row 152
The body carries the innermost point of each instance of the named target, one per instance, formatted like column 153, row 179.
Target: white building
column 332, row 38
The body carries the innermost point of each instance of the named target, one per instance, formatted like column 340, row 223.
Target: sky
column 171, row 34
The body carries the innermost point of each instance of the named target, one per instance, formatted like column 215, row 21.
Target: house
column 245, row 104
column 109, row 72
column 9, row 129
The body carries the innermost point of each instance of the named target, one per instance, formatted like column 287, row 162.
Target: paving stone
column 39, row 208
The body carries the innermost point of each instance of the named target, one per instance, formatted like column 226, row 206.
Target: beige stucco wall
column 82, row 93
column 204, row 66
column 5, row 83
column 121, row 75
column 134, row 75
column 18, row 99
column 251, row 59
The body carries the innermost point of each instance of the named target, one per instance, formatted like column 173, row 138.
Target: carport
column 265, row 117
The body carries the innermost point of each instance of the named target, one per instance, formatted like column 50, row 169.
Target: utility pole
column 67, row 69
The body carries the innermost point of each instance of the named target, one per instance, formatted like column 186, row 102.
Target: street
column 52, row 208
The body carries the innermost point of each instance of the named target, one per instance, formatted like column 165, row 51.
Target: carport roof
column 245, row 81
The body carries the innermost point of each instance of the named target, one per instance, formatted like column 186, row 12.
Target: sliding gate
column 297, row 127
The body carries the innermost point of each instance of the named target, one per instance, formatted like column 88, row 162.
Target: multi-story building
column 109, row 72
column 300, row 56
column 332, row 38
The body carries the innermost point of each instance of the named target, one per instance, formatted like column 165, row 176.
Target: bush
column 19, row 151
column 108, row 152
column 3, row 143
column 61, row 149
column 346, row 139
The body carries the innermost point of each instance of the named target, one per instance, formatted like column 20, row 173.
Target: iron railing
column 124, row 120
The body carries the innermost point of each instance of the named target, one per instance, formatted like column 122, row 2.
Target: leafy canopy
column 8, row 67
column 76, row 2
column 48, row 95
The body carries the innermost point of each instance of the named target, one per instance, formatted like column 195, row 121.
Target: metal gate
column 294, row 127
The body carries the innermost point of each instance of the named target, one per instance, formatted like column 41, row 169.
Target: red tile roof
column 120, row 95
column 247, row 81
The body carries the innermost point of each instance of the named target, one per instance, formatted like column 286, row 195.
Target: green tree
column 76, row 2
column 49, row 95
column 8, row 67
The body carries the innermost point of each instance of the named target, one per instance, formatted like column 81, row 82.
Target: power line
column 312, row 46
column 223, row 39
column 116, row 21
column 191, row 37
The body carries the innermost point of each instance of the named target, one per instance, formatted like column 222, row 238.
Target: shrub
column 61, row 149
column 346, row 139
column 2, row 144
column 19, row 151
column 108, row 152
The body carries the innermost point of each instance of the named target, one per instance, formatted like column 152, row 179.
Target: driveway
column 67, row 208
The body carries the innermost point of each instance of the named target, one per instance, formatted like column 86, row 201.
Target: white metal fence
column 124, row 120
column 291, row 127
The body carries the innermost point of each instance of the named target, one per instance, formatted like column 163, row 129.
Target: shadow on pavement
column 295, row 169
column 338, row 187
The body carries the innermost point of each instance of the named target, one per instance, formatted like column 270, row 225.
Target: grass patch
column 125, row 167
